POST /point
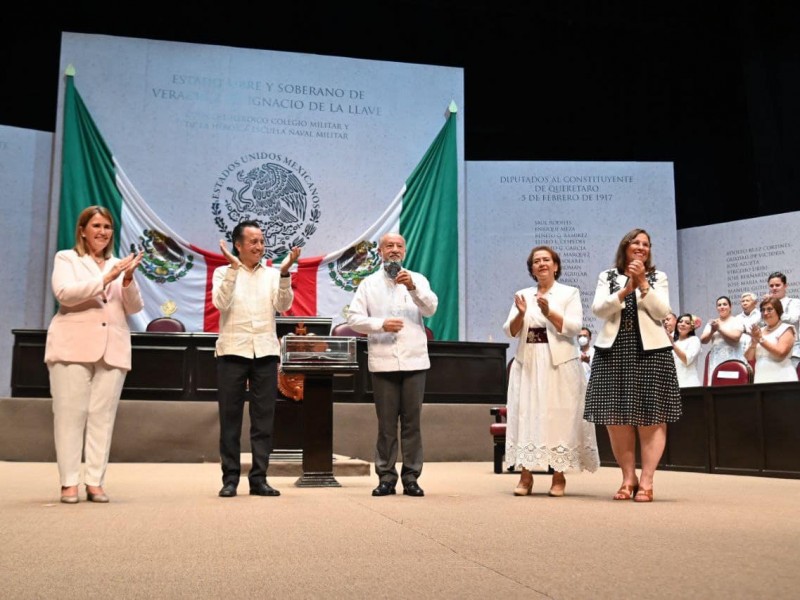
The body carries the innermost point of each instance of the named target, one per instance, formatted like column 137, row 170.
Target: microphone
column 392, row 268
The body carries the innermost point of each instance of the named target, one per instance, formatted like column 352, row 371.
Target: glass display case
column 313, row 352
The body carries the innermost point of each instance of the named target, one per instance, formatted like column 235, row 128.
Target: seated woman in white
column 685, row 350
column 771, row 345
column 724, row 333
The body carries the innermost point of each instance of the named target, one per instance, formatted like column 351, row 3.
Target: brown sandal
column 525, row 484
column 626, row 492
column 558, row 486
column 643, row 495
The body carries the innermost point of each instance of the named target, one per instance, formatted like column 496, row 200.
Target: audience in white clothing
column 724, row 333
column 791, row 308
column 685, row 350
column 771, row 346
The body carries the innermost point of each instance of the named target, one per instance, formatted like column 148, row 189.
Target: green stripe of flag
column 429, row 223
column 87, row 170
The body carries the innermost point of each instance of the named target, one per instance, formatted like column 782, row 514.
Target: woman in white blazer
column 545, row 427
column 633, row 386
column 88, row 350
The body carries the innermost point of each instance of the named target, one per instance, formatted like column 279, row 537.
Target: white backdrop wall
column 581, row 209
column 176, row 115
column 25, row 157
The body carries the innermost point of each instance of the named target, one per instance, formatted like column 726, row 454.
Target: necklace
column 99, row 261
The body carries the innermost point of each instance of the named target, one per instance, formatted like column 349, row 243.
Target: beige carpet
column 166, row 534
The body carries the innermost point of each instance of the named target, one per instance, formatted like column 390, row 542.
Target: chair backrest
column 165, row 325
column 705, row 369
column 798, row 371
column 732, row 372
column 429, row 333
column 344, row 329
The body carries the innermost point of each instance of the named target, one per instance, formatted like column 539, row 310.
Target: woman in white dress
column 545, row 428
column 685, row 350
column 724, row 333
column 771, row 345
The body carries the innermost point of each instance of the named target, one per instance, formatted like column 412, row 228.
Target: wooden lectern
column 318, row 359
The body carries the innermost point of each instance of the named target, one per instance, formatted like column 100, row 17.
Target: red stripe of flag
column 210, row 313
column 304, row 284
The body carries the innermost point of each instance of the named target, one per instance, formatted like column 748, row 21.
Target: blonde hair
column 81, row 248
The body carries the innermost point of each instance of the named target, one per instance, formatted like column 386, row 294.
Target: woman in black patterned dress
column 633, row 386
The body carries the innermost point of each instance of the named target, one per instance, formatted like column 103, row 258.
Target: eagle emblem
column 274, row 197
column 164, row 261
column 355, row 263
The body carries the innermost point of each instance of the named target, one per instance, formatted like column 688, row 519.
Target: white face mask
column 583, row 340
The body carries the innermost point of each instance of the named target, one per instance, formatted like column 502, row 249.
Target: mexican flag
column 177, row 273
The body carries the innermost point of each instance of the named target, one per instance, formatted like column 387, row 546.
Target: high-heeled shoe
column 98, row 497
column 643, row 495
column 524, row 487
column 627, row 491
column 558, row 486
column 69, row 499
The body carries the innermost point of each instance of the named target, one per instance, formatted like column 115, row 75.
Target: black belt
column 537, row 335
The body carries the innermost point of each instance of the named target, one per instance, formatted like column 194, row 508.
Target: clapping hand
column 233, row 260
column 520, row 303
column 130, row 263
column 290, row 259
column 635, row 273
column 127, row 265
column 544, row 305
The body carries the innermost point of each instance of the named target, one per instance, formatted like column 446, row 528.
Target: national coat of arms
column 164, row 260
column 355, row 263
column 272, row 190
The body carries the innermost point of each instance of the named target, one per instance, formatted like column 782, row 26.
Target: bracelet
column 285, row 274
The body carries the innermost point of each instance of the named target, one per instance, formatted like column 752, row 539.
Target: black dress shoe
column 385, row 488
column 263, row 489
column 412, row 489
column 228, row 491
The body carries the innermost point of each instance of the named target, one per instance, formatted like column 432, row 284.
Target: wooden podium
column 318, row 359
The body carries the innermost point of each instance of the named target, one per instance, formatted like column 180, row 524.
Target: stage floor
column 166, row 534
